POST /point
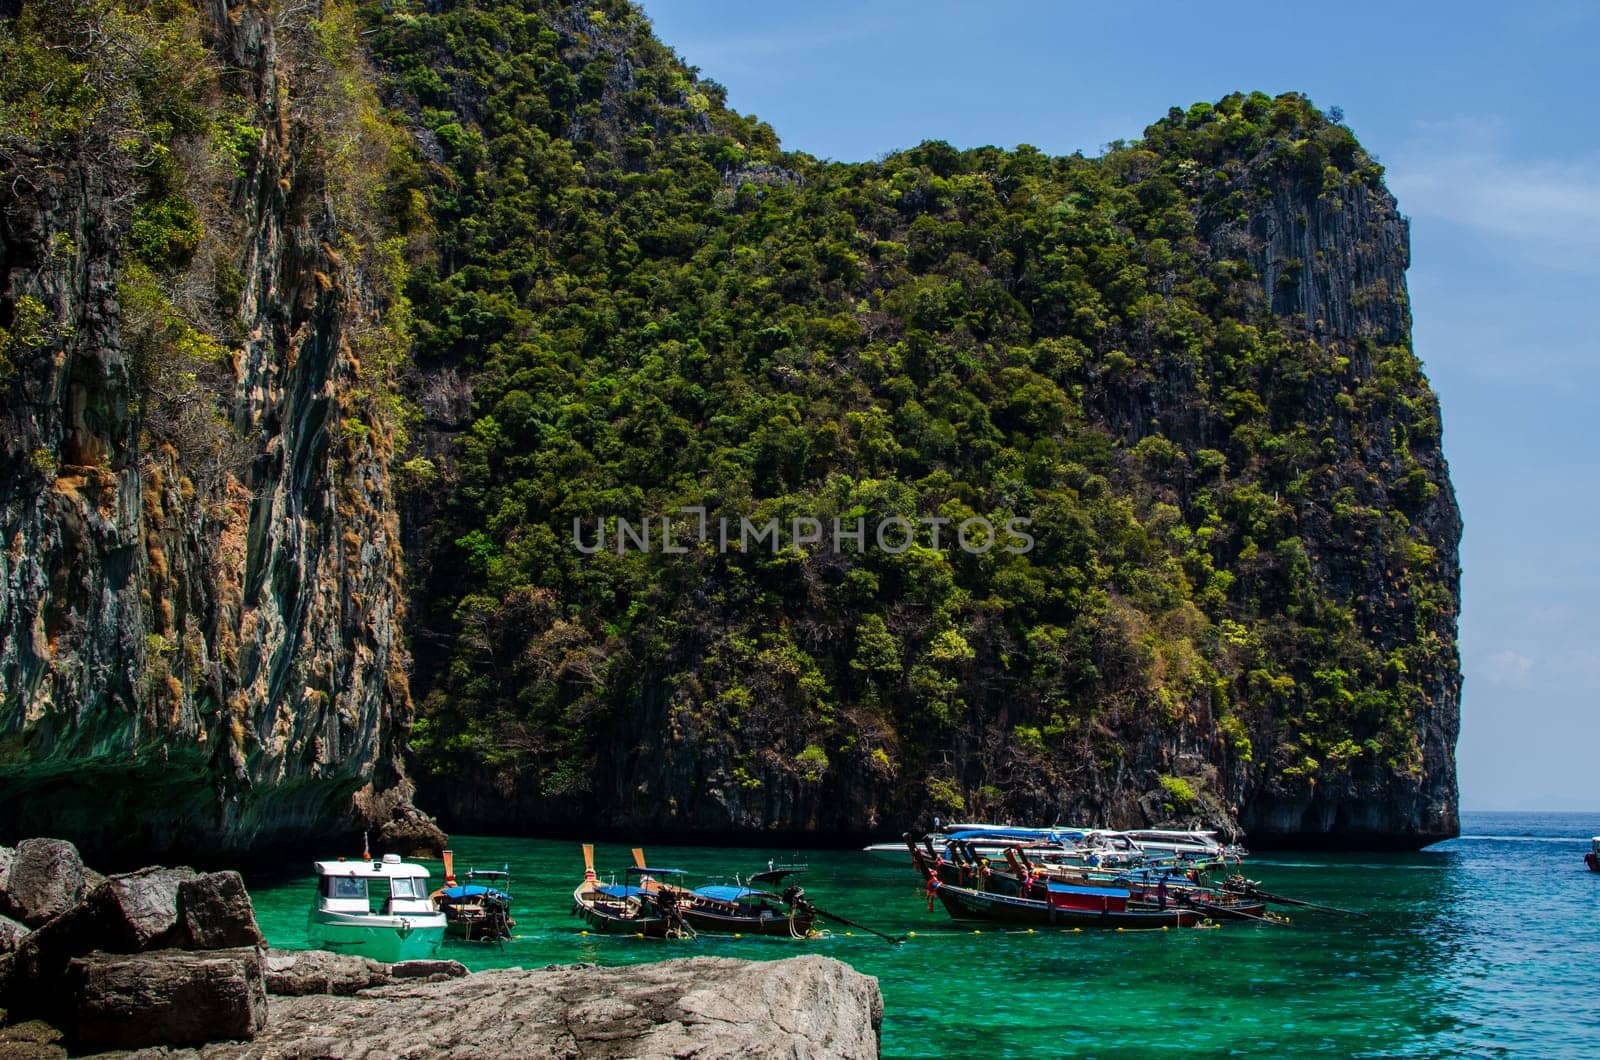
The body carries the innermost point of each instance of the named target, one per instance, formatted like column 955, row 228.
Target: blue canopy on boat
column 612, row 890
column 1108, row 892
column 724, row 892
column 1048, row 834
column 473, row 890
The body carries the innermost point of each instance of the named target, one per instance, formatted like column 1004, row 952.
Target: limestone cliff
column 200, row 617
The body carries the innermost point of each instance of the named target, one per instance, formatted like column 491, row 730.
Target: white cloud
column 1507, row 667
column 1544, row 210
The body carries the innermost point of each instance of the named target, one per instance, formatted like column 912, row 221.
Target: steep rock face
column 199, row 612
column 1332, row 263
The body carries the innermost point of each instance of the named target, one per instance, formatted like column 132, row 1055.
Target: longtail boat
column 1069, row 846
column 741, row 908
column 629, row 908
column 1592, row 859
column 1160, row 888
column 974, row 890
column 478, row 910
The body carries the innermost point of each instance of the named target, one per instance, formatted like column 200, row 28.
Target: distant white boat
column 404, row 927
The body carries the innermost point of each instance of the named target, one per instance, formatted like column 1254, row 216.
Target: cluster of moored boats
column 1034, row 877
column 1076, row 878
column 409, row 922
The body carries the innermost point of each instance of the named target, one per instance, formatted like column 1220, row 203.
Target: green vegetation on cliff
column 1244, row 565
column 256, row 255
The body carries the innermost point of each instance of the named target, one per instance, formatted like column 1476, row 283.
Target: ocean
column 1488, row 945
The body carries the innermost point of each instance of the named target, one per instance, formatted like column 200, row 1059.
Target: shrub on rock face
column 216, row 912
column 45, row 879
column 165, row 997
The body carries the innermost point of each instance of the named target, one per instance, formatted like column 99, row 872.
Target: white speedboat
column 378, row 909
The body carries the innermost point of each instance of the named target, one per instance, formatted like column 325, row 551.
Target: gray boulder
column 216, row 912
column 125, row 914
column 11, row 934
column 430, row 970
column 302, row 973
column 136, row 911
column 45, row 879
column 7, row 856
column 297, row 973
column 705, row 1007
column 165, row 998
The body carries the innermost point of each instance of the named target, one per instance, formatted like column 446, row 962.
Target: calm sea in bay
column 1488, row 945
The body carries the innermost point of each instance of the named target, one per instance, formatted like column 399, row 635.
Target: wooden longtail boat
column 740, row 909
column 1066, row 907
column 977, row 891
column 629, row 908
column 478, row 910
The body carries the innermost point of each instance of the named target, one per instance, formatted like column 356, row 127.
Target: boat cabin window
column 406, row 887
column 344, row 887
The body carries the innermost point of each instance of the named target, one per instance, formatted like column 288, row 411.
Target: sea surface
column 1488, row 945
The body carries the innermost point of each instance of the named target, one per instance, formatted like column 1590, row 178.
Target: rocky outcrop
column 11, row 933
column 1330, row 252
column 802, row 1007
column 155, row 957
column 165, row 997
column 44, row 879
column 215, row 912
column 299, row 973
column 200, row 603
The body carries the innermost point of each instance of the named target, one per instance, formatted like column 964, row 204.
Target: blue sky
column 1487, row 119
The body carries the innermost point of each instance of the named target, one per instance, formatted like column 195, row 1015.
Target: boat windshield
column 407, row 887
column 344, row 887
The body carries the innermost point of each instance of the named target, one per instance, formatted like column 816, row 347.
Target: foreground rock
column 117, row 967
column 216, row 912
column 44, row 880
column 32, row 1040
column 300, row 973
column 705, row 1007
column 164, row 997
column 11, row 934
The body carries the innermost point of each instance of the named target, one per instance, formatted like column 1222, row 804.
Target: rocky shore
column 169, row 962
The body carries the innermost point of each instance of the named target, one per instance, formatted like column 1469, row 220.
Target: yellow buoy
column 737, row 935
column 585, row 931
column 975, row 931
column 638, row 934
column 849, row 934
column 1030, row 931
column 911, row 934
column 1119, row 929
column 1164, row 927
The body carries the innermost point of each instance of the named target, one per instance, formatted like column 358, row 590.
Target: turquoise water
column 1485, row 946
